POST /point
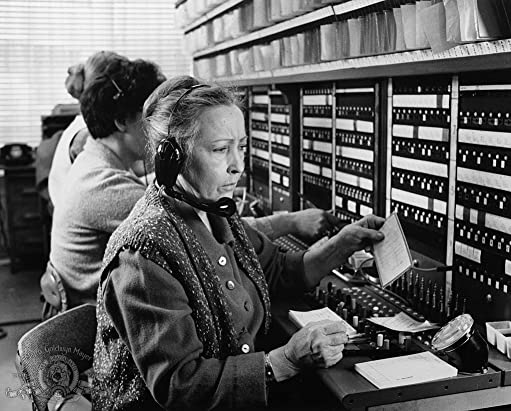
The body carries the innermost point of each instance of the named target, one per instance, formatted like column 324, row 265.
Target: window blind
column 40, row 39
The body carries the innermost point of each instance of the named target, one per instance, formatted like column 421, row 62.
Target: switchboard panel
column 355, row 156
column 482, row 225
column 242, row 93
column 260, row 149
column 419, row 171
column 280, row 130
column 317, row 141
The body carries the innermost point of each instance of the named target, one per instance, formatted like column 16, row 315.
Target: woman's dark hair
column 160, row 109
column 118, row 94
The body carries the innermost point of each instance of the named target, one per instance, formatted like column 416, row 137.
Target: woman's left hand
column 319, row 261
column 359, row 235
column 312, row 223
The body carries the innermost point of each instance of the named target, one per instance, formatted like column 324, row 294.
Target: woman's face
column 218, row 158
column 135, row 140
column 74, row 85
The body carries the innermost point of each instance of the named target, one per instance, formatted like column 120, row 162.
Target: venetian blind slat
column 40, row 39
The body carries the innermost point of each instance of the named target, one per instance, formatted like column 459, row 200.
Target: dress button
column 245, row 348
column 247, row 306
column 222, row 261
column 230, row 285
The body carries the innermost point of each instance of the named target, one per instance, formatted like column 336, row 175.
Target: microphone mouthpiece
column 225, row 206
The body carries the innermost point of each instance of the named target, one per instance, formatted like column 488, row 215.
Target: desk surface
column 354, row 392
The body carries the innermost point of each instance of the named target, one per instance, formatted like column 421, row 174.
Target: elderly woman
column 184, row 296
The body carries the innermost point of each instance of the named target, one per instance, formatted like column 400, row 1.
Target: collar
column 219, row 225
column 101, row 150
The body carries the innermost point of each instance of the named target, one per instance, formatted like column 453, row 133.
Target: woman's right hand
column 319, row 344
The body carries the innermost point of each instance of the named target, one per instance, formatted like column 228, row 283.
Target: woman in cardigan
column 100, row 189
column 74, row 136
column 184, row 296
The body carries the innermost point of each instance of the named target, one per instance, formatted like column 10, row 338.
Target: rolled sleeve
column 262, row 224
column 151, row 313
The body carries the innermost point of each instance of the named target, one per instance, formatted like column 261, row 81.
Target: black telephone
column 16, row 154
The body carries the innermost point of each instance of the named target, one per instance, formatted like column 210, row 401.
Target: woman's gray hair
column 160, row 108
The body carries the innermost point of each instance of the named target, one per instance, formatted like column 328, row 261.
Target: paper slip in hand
column 405, row 370
column 402, row 322
column 302, row 318
column 391, row 255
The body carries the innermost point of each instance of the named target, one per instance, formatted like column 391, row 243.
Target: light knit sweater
column 61, row 162
column 97, row 196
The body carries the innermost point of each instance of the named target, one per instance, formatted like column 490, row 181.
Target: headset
column 168, row 162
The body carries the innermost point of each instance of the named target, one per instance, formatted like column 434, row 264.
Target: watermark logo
column 58, row 375
column 51, row 374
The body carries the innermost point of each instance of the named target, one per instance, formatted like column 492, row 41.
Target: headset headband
column 181, row 97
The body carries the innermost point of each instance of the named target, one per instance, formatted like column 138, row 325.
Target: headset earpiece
column 168, row 161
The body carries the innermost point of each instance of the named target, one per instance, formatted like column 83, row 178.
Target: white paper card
column 402, row 322
column 391, row 255
column 302, row 318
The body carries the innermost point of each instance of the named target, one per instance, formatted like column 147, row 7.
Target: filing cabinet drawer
column 24, row 223
column 25, row 214
column 27, row 240
column 21, row 187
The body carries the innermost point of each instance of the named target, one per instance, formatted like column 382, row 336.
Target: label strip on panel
column 420, row 132
column 311, row 168
column 357, row 154
column 259, row 116
column 418, row 200
column 485, row 179
column 421, row 100
column 261, row 99
column 279, row 118
column 484, row 138
column 323, row 122
column 354, row 180
column 420, row 166
column 322, row 146
column 317, row 100
column 261, row 153
column 467, row 251
column 280, row 159
column 261, row 135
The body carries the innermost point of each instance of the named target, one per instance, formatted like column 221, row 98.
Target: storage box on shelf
column 358, row 33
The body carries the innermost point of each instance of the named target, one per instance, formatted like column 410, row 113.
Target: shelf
column 286, row 25
column 466, row 57
column 226, row 5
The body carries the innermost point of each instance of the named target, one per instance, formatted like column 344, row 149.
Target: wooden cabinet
column 24, row 226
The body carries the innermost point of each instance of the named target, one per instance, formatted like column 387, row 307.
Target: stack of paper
column 405, row 370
